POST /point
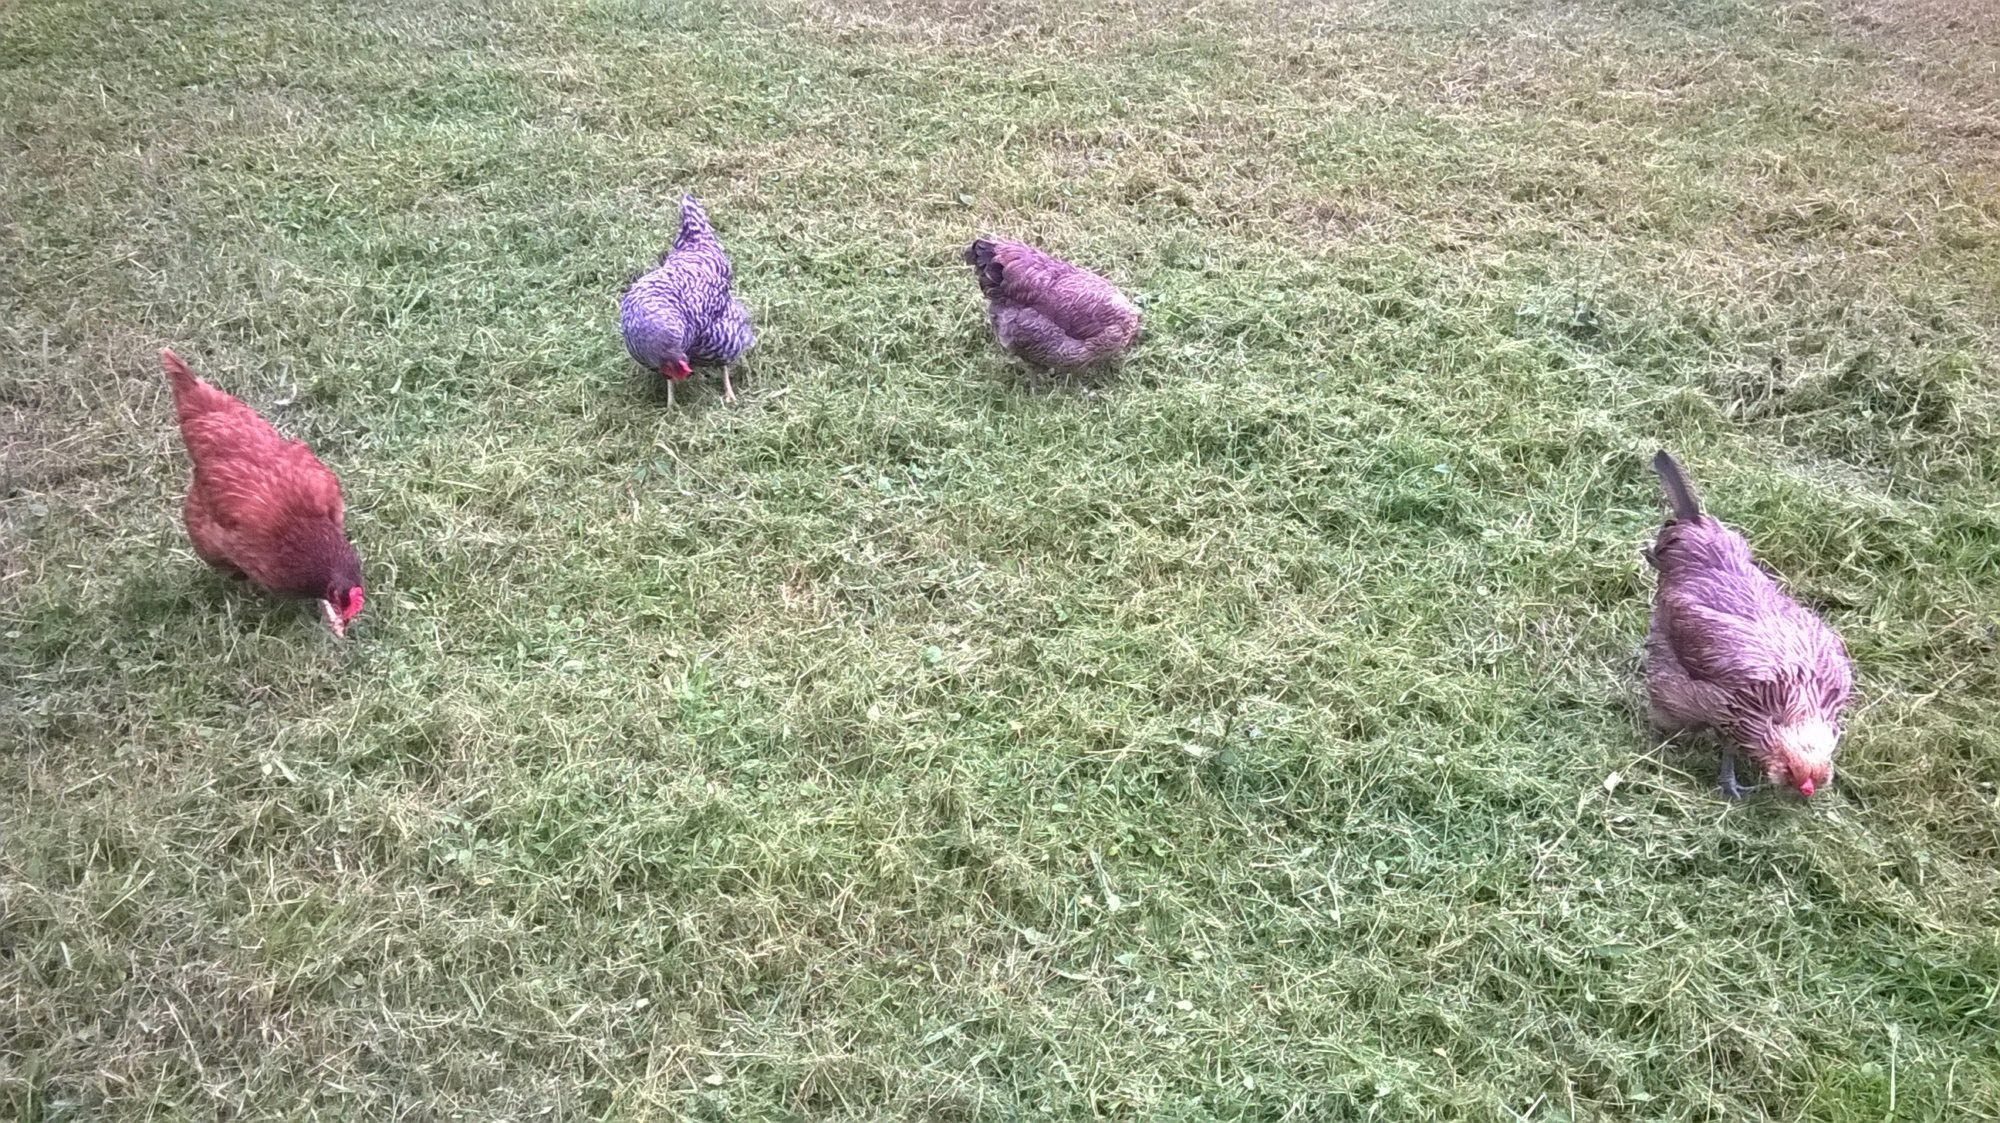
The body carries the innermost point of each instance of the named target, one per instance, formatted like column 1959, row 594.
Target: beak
column 1806, row 788
column 333, row 620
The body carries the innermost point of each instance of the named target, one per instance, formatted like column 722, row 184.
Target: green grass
column 1252, row 735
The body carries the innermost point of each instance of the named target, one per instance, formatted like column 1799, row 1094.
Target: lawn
column 1251, row 734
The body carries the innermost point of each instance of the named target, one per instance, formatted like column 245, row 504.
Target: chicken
column 262, row 506
column 1051, row 313
column 1730, row 651
column 683, row 312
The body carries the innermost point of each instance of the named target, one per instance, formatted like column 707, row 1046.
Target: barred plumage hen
column 1049, row 312
column 1731, row 651
column 684, row 312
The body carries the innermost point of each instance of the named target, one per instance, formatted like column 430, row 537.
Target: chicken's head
column 676, row 368
column 1800, row 755
column 341, row 605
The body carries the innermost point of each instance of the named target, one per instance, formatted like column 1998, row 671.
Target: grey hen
column 683, row 311
column 1049, row 312
column 1730, row 651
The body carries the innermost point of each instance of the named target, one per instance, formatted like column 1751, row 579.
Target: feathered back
column 1728, row 624
column 242, row 458
column 214, row 424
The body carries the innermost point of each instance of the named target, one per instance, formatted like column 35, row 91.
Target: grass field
column 1252, row 735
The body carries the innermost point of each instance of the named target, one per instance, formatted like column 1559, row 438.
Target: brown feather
column 1048, row 311
column 260, row 504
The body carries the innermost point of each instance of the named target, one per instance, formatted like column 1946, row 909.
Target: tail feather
column 192, row 396
column 179, row 375
column 1687, row 507
column 982, row 255
column 695, row 226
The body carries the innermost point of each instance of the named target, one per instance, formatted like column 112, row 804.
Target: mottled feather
column 684, row 310
column 1731, row 651
column 1048, row 311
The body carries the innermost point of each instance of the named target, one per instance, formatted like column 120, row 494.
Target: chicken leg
column 728, row 391
column 1731, row 790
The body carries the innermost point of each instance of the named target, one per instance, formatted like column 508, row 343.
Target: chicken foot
column 1731, row 790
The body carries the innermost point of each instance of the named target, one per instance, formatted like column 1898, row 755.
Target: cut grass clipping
column 1251, row 735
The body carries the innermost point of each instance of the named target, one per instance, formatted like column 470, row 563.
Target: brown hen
column 1049, row 312
column 1731, row 651
column 261, row 505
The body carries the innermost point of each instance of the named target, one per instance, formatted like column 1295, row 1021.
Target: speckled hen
column 1730, row 651
column 1048, row 312
column 683, row 312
